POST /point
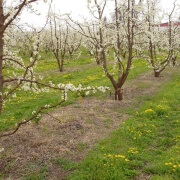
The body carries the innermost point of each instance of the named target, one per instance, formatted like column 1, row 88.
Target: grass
column 41, row 174
column 25, row 103
column 146, row 144
column 65, row 164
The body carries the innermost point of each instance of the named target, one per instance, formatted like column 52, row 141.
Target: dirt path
column 79, row 127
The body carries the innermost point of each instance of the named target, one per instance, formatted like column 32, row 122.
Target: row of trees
column 64, row 36
column 17, row 73
column 133, row 32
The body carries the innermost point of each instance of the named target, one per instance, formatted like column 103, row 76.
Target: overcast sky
column 76, row 7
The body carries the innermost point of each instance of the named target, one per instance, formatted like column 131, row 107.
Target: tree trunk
column 118, row 94
column 157, row 74
column 1, row 53
column 70, row 56
column 61, row 65
column 98, row 61
column 1, row 82
column 124, row 55
column 174, row 61
column 99, row 58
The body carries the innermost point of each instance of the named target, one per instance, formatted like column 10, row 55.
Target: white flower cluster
column 80, row 88
column 33, row 87
column 34, row 112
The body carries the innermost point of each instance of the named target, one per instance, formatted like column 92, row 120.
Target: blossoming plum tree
column 23, row 40
column 73, row 43
column 59, row 38
column 162, row 44
column 63, row 40
column 120, row 34
column 45, row 45
column 8, row 15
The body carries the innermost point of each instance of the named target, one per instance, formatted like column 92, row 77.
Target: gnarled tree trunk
column 61, row 65
column 1, row 53
column 118, row 94
column 156, row 74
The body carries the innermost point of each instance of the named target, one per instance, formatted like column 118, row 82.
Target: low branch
column 30, row 119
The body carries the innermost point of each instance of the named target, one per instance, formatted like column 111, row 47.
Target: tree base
column 157, row 74
column 118, row 95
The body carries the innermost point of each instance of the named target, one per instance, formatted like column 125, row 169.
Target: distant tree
column 24, row 40
column 161, row 43
column 59, row 38
column 73, row 43
column 46, row 41
column 93, row 50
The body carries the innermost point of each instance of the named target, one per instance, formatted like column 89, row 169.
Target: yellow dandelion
column 160, row 107
column 120, row 156
column 149, row 111
column 110, row 156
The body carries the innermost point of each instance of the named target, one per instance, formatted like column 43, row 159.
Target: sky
column 77, row 8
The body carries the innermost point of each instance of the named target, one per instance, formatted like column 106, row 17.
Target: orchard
column 93, row 97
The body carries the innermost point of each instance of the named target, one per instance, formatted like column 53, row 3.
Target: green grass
column 41, row 174
column 147, row 143
column 65, row 164
column 25, row 103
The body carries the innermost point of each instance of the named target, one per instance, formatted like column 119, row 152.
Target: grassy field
column 145, row 146
column 81, row 71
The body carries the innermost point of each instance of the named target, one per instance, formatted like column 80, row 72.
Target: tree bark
column 157, row 74
column 61, row 65
column 174, row 61
column 118, row 94
column 98, row 61
column 1, row 53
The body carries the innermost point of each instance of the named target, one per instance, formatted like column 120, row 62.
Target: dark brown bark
column 118, row 94
column 1, row 52
column 157, row 74
column 174, row 60
column 61, row 65
column 98, row 62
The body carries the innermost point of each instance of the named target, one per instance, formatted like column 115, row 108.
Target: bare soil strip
column 79, row 127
